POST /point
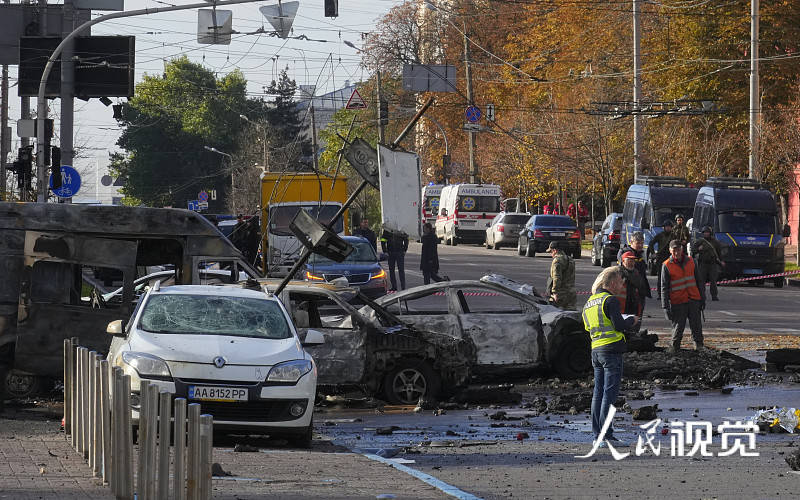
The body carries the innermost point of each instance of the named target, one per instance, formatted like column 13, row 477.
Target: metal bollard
column 144, row 411
column 105, row 423
column 127, row 441
column 90, row 410
column 95, row 457
column 73, row 438
column 82, row 351
column 206, row 449
column 85, row 403
column 164, row 417
column 67, row 385
column 179, row 474
column 193, row 452
column 150, row 445
column 116, row 433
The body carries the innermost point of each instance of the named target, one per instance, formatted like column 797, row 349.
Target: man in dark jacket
column 396, row 245
column 706, row 252
column 365, row 232
column 660, row 247
column 429, row 259
column 636, row 247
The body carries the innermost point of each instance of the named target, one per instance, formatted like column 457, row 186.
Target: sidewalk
column 36, row 462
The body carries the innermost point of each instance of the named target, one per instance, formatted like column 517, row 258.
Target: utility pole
column 755, row 102
column 637, row 90
column 4, row 136
column 474, row 177
column 25, row 103
column 67, row 92
column 381, row 131
column 313, row 136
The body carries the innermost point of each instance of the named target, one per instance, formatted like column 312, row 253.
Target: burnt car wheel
column 21, row 385
column 574, row 359
column 410, row 380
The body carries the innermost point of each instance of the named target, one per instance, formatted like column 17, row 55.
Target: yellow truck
column 282, row 196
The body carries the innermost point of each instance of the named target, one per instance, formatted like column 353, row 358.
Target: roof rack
column 662, row 181
column 734, row 183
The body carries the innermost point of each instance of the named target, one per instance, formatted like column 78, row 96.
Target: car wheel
column 302, row 440
column 778, row 282
column 410, row 380
column 488, row 246
column 577, row 253
column 22, row 385
column 595, row 258
column 519, row 248
column 574, row 359
column 604, row 260
column 529, row 252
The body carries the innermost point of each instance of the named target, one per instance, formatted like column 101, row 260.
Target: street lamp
column 230, row 159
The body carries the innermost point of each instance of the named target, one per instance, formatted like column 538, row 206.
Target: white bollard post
column 105, row 423
column 206, row 450
column 193, row 452
column 116, row 434
column 164, row 417
column 85, row 402
column 144, row 411
column 97, row 435
column 73, row 438
column 127, row 441
column 179, row 474
column 81, row 389
column 152, row 435
column 67, row 386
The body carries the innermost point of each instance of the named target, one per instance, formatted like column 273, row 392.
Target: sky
column 324, row 61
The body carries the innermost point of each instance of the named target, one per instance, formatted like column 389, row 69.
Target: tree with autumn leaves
column 548, row 64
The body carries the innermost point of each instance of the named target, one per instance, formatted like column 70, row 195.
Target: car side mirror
column 787, row 231
column 313, row 337
column 383, row 257
column 115, row 328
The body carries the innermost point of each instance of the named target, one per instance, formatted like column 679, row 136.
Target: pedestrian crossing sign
column 356, row 101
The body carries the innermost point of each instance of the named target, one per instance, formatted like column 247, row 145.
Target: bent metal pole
column 41, row 102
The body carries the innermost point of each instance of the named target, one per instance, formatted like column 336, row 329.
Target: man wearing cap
column 706, row 252
column 681, row 232
column 636, row 289
column 635, row 272
column 561, row 285
column 681, row 297
column 661, row 241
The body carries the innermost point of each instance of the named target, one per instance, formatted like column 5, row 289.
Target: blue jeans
column 607, row 380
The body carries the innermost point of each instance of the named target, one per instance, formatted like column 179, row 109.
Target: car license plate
column 558, row 234
column 752, row 271
column 209, row 393
column 466, row 222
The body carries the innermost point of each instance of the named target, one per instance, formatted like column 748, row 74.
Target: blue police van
column 744, row 216
column 650, row 201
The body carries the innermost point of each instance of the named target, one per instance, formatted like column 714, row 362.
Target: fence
column 98, row 422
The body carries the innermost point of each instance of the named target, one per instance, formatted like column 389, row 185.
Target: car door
column 506, row 331
column 342, row 358
column 60, row 298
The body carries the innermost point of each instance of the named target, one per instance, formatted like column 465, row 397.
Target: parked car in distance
column 504, row 229
column 606, row 241
column 361, row 268
column 233, row 350
column 543, row 229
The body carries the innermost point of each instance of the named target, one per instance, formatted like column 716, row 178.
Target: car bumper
column 477, row 235
column 506, row 239
column 267, row 409
column 541, row 244
column 611, row 251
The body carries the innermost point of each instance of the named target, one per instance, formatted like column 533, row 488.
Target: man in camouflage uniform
column 561, row 285
column 661, row 240
column 706, row 252
column 681, row 232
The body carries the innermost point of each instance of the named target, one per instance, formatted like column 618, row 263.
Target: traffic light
column 331, row 8
column 383, row 119
column 24, row 166
column 55, row 156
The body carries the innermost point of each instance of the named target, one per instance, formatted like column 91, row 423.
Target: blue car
column 361, row 268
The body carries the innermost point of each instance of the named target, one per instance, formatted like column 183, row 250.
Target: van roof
column 737, row 199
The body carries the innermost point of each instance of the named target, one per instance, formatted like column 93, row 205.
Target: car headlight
column 378, row 275
column 146, row 364
column 290, row 371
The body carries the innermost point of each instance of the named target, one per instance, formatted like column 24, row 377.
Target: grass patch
column 586, row 245
column 791, row 266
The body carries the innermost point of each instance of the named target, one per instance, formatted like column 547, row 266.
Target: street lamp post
column 41, row 103
column 230, row 159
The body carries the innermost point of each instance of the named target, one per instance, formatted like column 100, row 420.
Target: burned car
column 513, row 328
column 372, row 348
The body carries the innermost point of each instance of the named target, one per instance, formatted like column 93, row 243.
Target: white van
column 465, row 211
column 430, row 202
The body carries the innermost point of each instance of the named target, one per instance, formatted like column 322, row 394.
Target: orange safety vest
column 683, row 286
column 622, row 298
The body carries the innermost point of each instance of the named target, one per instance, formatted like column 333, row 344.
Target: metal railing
column 98, row 423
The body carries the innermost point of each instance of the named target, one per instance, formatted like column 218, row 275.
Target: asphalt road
column 742, row 307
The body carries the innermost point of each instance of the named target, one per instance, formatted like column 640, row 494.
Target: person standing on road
column 396, row 246
column 571, row 213
column 547, row 209
column 706, row 251
column 429, row 258
column 583, row 216
column 365, row 232
column 681, row 298
column 561, row 285
column 632, row 299
column 639, row 265
column 681, row 232
column 661, row 241
column 606, row 327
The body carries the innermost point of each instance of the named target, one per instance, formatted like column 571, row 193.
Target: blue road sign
column 202, row 196
column 70, row 182
column 473, row 114
column 193, row 205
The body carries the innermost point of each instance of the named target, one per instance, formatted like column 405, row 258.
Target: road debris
column 786, row 418
column 645, row 413
column 244, row 448
column 218, row 471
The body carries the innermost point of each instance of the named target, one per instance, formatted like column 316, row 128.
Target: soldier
column 706, row 251
column 661, row 241
column 561, row 285
column 681, row 231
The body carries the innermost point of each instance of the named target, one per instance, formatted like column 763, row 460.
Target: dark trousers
column 428, row 275
column 397, row 259
column 680, row 312
column 709, row 273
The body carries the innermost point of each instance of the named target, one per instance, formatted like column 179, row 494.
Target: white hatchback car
column 233, row 350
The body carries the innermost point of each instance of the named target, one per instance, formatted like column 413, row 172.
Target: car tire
column 577, row 253
column 519, row 248
column 604, row 261
column 488, row 246
column 410, row 380
column 778, row 282
column 595, row 258
column 302, row 440
column 19, row 385
column 529, row 252
column 574, row 358
column 496, row 246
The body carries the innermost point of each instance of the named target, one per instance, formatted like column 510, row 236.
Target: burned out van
column 56, row 259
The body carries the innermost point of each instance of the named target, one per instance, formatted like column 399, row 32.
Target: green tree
column 287, row 122
column 166, row 126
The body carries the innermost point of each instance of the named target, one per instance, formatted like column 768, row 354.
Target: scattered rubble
column 645, row 413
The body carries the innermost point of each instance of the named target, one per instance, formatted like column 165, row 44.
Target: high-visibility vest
column 682, row 285
column 623, row 298
column 601, row 329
